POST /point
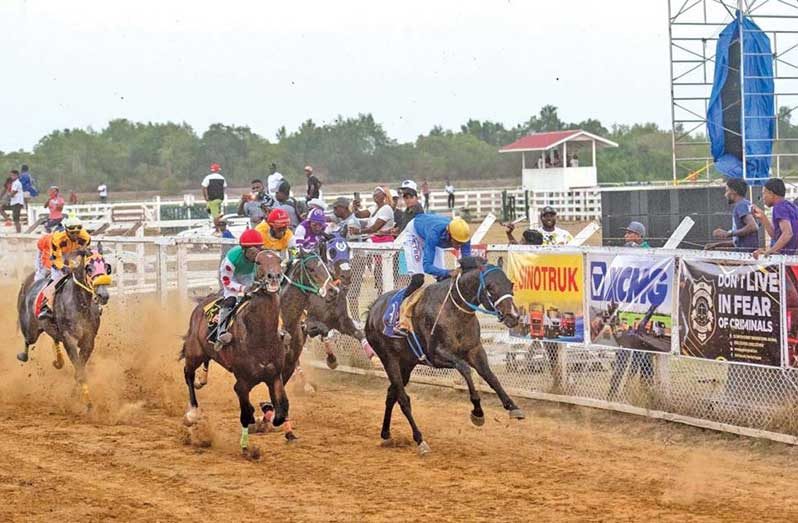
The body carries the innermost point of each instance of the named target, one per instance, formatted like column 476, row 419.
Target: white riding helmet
column 72, row 222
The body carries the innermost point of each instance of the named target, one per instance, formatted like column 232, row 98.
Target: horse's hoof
column 23, row 357
column 517, row 414
column 309, row 389
column 477, row 420
column 191, row 417
column 290, row 437
column 332, row 361
column 58, row 364
column 423, row 449
column 386, row 442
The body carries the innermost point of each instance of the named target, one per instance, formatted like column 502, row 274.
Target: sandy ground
column 132, row 459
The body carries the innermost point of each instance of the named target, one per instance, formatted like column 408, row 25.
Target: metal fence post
column 387, row 270
column 505, row 217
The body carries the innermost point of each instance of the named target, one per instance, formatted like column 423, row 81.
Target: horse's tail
column 365, row 314
column 23, row 291
column 182, row 354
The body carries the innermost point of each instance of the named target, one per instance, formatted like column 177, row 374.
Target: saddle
column 400, row 313
column 41, row 296
column 211, row 312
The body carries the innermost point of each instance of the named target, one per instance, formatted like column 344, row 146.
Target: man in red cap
column 213, row 187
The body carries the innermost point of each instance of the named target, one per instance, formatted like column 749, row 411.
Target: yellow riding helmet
column 459, row 230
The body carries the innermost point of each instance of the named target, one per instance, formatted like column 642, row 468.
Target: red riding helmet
column 279, row 218
column 215, row 167
column 250, row 238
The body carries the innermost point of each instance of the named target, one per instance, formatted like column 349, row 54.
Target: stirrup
column 45, row 314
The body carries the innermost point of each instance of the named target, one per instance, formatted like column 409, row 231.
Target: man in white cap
column 635, row 235
column 274, row 180
column 552, row 235
column 409, row 191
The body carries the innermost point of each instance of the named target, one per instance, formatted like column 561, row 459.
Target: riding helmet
column 250, row 238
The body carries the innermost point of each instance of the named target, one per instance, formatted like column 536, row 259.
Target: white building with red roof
column 558, row 161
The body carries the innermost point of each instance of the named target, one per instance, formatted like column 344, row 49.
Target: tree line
column 173, row 156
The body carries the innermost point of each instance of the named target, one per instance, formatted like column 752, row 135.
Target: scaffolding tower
column 694, row 26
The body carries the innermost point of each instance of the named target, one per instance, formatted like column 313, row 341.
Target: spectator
column 5, row 197
column 541, row 164
column 635, row 236
column 255, row 205
column 28, row 184
column 213, row 186
column 317, row 203
column 345, row 219
column 380, row 217
column 397, row 212
column 783, row 231
column 274, row 180
column 73, row 198
column 314, row 184
column 552, row 235
column 744, row 233
column 55, row 206
column 413, row 208
column 283, row 200
column 528, row 237
column 223, row 232
column 17, row 201
column 575, row 161
column 449, row 188
column 425, row 193
column 102, row 191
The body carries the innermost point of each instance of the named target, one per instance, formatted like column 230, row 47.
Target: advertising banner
column 791, row 305
column 730, row 311
column 548, row 292
column 631, row 300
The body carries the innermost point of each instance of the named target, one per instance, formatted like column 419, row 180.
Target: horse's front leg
column 72, row 347
column 247, row 417
column 478, row 359
column 444, row 358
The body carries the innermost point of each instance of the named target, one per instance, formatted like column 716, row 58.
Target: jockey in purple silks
column 310, row 233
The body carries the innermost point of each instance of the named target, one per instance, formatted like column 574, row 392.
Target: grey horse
column 77, row 312
column 448, row 333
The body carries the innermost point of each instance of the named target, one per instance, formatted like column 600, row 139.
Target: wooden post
column 119, row 270
column 505, row 214
column 162, row 281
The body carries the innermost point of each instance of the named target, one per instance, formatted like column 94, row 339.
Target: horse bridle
column 259, row 284
column 306, row 283
column 492, row 306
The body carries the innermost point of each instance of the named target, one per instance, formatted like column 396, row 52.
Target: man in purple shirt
column 783, row 231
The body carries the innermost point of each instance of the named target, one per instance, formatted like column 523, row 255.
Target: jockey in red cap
column 237, row 273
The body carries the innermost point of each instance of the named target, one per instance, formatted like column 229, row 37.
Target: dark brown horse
column 257, row 354
column 448, row 332
column 77, row 312
column 324, row 317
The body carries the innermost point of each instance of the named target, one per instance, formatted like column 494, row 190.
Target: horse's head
column 310, row 274
column 97, row 273
column 269, row 270
column 495, row 290
column 337, row 254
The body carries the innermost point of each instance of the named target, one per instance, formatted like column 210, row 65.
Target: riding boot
column 222, row 336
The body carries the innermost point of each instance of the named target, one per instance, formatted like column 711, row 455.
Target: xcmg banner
column 730, row 311
column 631, row 300
column 548, row 292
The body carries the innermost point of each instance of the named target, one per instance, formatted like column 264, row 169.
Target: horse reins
column 472, row 308
column 306, row 276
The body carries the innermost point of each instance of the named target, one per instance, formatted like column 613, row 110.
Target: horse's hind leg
column 247, row 412
column 193, row 414
column 479, row 360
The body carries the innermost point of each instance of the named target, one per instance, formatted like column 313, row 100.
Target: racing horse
column 77, row 311
column 448, row 336
column 257, row 353
column 324, row 317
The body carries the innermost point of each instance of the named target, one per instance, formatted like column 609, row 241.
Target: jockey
column 42, row 263
column 424, row 234
column 237, row 273
column 310, row 233
column 276, row 234
column 73, row 238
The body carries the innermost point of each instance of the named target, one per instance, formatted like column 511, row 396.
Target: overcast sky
column 413, row 64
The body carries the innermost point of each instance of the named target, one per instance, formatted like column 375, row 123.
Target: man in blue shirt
column 424, row 234
column 744, row 234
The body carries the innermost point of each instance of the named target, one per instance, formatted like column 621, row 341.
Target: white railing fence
column 746, row 399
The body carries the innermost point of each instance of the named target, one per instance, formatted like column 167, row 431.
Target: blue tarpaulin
column 723, row 112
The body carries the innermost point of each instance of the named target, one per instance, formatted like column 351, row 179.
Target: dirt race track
column 131, row 458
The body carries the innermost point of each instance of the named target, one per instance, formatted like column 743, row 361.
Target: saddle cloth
column 211, row 312
column 400, row 310
column 40, row 296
